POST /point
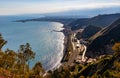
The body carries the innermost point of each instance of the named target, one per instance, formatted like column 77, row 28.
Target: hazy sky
column 10, row 7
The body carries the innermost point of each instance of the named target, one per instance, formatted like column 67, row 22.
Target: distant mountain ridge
column 78, row 23
column 100, row 20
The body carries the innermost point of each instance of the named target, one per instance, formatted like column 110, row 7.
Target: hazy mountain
column 100, row 20
column 88, row 31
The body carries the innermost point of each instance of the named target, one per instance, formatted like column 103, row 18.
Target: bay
column 45, row 42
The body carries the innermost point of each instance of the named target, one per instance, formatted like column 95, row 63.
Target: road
column 83, row 55
column 76, row 52
column 77, row 55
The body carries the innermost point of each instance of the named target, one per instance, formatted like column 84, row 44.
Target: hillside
column 89, row 31
column 100, row 20
column 79, row 23
column 104, row 67
column 104, row 30
column 107, row 66
column 108, row 36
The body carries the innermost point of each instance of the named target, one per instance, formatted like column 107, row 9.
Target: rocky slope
column 89, row 31
column 106, row 37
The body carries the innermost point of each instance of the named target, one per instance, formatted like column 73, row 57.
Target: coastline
column 65, row 44
column 65, row 31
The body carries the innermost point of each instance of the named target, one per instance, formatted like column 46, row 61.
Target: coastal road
column 73, row 45
column 83, row 55
column 76, row 53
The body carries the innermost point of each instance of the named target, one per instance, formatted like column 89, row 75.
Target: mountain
column 100, row 20
column 89, row 31
column 79, row 23
column 108, row 36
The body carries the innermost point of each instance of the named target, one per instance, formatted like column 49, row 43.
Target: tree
column 38, row 70
column 14, row 64
column 10, row 58
column 26, row 52
column 2, row 42
column 116, row 47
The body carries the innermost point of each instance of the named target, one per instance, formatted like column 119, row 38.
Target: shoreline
column 59, row 63
column 65, row 32
column 64, row 44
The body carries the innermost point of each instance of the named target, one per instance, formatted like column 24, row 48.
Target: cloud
column 49, row 7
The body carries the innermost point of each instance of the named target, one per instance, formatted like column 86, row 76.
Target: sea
column 44, row 38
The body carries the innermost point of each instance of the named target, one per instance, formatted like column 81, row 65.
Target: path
column 83, row 55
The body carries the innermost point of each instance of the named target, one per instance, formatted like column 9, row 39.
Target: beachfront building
column 78, row 42
column 77, row 45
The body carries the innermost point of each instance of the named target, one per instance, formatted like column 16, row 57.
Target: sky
column 14, row 7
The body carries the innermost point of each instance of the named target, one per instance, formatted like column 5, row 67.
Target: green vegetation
column 16, row 64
